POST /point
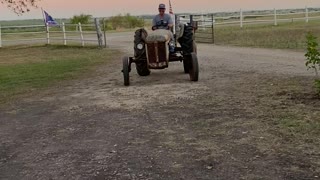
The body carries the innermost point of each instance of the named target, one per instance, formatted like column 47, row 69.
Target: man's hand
column 154, row 28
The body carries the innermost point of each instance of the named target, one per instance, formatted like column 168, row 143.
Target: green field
column 26, row 69
column 282, row 36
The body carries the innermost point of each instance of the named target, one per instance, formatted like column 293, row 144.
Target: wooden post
column 0, row 38
column 104, row 33
column 191, row 19
column 307, row 15
column 202, row 22
column 99, row 33
column 212, row 28
column 241, row 18
column 64, row 34
column 275, row 17
column 48, row 33
column 81, row 34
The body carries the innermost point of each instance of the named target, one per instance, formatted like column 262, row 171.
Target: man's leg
column 171, row 43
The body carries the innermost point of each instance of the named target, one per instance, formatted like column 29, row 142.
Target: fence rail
column 274, row 17
column 207, row 22
column 15, row 35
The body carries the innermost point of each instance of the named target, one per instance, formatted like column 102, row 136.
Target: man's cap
column 162, row 6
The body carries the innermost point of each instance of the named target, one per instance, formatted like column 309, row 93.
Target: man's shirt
column 162, row 22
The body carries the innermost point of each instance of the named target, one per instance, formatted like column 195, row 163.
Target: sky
column 106, row 8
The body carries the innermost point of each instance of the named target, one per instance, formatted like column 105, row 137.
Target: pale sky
column 105, row 8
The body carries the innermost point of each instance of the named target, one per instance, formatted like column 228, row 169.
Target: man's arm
column 154, row 23
column 170, row 22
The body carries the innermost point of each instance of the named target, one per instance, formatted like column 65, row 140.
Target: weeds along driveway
column 246, row 118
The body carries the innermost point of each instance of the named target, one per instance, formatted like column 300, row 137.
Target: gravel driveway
column 164, row 126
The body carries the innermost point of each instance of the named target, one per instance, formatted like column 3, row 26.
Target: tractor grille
column 157, row 54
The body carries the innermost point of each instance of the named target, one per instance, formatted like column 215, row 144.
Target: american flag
column 170, row 10
column 49, row 20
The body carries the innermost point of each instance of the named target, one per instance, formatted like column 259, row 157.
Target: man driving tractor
column 164, row 21
column 155, row 49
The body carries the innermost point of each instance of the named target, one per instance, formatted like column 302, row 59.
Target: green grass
column 25, row 69
column 296, row 125
column 284, row 36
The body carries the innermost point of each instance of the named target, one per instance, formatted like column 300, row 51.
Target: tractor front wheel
column 142, row 68
column 126, row 70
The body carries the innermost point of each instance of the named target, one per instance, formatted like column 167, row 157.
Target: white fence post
column 81, row 34
column 241, row 18
column 0, row 38
column 48, row 35
column 307, row 15
column 64, row 34
column 275, row 17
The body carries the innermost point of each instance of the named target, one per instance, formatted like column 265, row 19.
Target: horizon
column 97, row 8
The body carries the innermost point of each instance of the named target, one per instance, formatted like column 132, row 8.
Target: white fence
column 274, row 18
column 247, row 17
column 39, row 34
column 207, row 23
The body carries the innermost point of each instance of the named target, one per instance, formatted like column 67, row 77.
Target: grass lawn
column 25, row 69
column 284, row 36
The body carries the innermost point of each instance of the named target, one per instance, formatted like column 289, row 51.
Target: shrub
column 313, row 58
column 82, row 18
column 123, row 21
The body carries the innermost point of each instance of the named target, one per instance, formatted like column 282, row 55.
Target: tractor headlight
column 140, row 46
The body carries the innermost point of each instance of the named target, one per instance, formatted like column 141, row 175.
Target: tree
column 19, row 6
column 82, row 18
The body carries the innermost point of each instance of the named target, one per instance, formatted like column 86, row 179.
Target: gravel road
column 162, row 126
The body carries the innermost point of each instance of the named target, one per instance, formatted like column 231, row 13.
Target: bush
column 313, row 58
column 127, row 22
column 82, row 18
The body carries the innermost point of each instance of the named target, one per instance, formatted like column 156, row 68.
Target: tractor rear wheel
column 194, row 69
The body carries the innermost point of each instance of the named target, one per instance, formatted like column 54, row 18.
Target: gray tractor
column 151, row 51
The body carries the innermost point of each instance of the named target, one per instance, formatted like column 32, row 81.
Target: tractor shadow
column 174, row 75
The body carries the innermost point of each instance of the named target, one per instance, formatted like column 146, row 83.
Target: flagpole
column 173, row 17
column 44, row 19
column 46, row 26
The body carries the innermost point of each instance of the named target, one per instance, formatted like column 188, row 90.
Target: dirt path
column 163, row 126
